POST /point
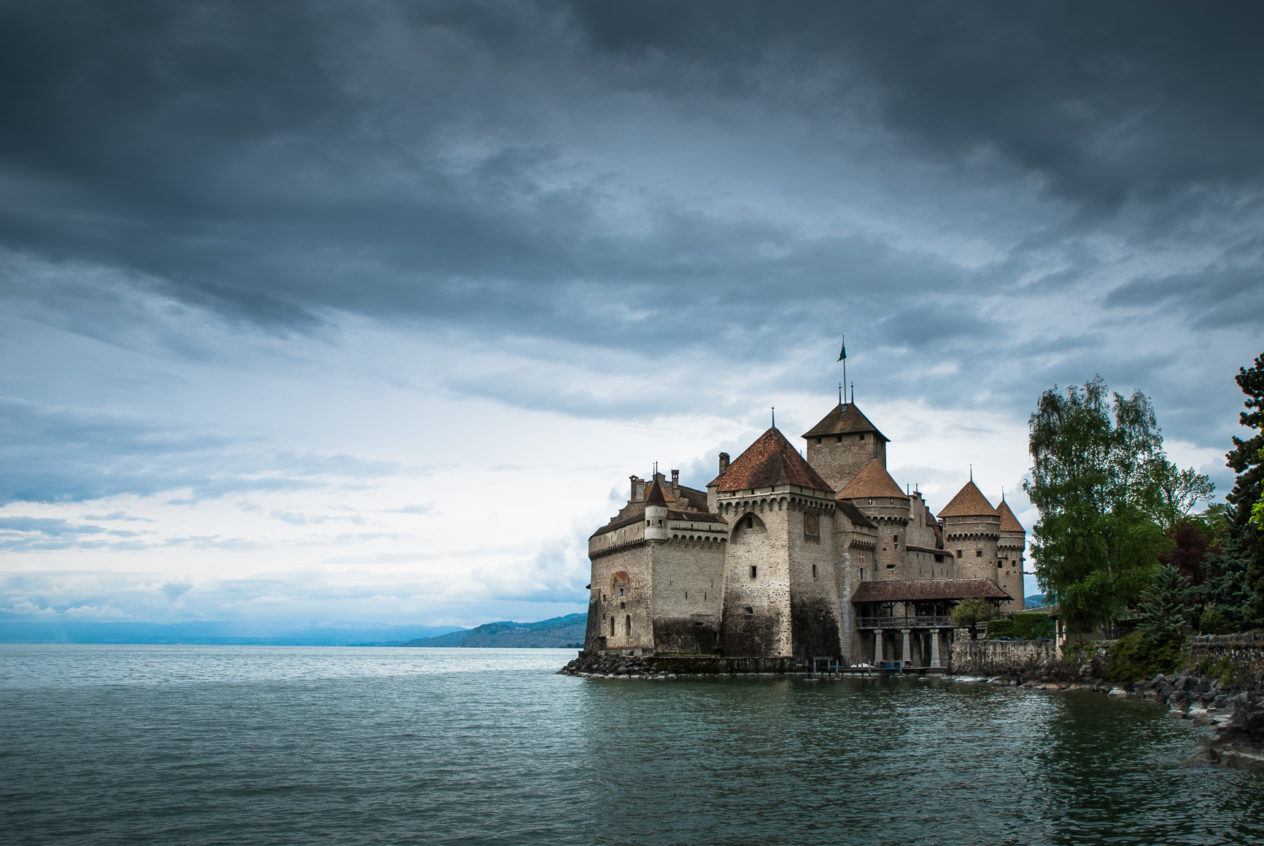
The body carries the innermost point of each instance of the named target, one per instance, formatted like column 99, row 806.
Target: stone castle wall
column 815, row 625
column 688, row 579
column 620, row 593
column 838, row 458
column 998, row 657
column 757, row 601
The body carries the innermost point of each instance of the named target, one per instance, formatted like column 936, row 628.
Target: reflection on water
column 295, row 745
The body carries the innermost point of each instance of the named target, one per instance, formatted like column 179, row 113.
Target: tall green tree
column 1174, row 493
column 1247, row 460
column 1094, row 459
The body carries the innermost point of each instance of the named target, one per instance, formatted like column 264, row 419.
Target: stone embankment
column 596, row 665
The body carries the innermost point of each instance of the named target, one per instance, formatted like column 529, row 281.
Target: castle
column 783, row 557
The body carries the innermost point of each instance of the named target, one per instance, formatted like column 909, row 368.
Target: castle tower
column 780, row 582
column 1009, row 557
column 880, row 499
column 842, row 444
column 972, row 530
column 655, row 513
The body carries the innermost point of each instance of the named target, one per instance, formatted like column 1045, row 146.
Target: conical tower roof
column 969, row 502
column 845, row 419
column 873, row 480
column 1009, row 523
column 655, row 496
column 769, row 462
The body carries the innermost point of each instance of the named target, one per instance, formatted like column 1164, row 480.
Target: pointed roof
column 845, row 419
column 655, row 496
column 873, row 480
column 969, row 502
column 1009, row 523
column 769, row 462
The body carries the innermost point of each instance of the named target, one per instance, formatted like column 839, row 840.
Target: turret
column 1009, row 556
column 655, row 513
column 843, row 443
column 972, row 530
column 880, row 499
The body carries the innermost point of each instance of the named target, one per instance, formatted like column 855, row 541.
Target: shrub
column 1213, row 621
column 1135, row 657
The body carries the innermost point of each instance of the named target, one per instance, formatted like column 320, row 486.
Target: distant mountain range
column 559, row 632
column 1036, row 600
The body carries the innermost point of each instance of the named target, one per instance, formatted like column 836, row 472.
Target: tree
column 1168, row 607
column 1246, row 459
column 1095, row 459
column 1175, row 492
column 971, row 611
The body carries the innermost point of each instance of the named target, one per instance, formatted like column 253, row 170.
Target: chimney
column 634, row 480
column 724, row 463
column 676, row 484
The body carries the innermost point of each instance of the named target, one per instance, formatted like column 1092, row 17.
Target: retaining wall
column 999, row 657
column 1245, row 650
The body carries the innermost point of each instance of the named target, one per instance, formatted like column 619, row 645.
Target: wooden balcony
column 904, row 623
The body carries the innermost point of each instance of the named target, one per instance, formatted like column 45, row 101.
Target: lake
column 277, row 745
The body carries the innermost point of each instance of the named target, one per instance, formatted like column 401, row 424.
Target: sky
column 319, row 313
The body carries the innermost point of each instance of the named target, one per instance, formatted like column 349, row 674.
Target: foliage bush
column 1022, row 626
column 1135, row 657
column 1213, row 621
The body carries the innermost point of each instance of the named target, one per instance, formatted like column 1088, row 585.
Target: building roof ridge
column 846, row 418
column 872, row 480
column 969, row 502
column 769, row 462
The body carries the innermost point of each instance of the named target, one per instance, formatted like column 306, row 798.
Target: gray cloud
column 1015, row 193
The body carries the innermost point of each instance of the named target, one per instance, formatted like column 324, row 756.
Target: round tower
column 655, row 513
column 972, row 532
column 1009, row 556
column 880, row 499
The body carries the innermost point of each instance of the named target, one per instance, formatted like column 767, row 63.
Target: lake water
column 276, row 745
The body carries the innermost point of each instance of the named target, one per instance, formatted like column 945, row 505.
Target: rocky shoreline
column 1234, row 711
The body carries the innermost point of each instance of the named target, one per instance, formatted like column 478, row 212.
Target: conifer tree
column 1247, row 460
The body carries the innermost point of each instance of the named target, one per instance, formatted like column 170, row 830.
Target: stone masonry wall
column 630, row 609
column 688, row 578
column 1245, row 651
column 838, row 461
column 998, row 657
column 765, row 628
column 813, row 584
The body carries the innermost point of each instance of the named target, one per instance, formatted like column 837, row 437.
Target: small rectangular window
column 753, row 571
column 978, row 553
column 814, row 571
column 958, row 553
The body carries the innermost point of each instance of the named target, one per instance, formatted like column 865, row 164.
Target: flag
column 842, row 353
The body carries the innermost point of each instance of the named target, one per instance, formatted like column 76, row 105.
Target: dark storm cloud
column 271, row 161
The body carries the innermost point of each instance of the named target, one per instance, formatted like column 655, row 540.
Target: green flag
column 842, row 353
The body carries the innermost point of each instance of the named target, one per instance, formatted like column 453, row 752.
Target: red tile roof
column 844, row 419
column 873, row 480
column 969, row 502
column 1009, row 523
column 917, row 590
column 769, row 462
